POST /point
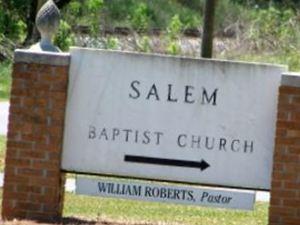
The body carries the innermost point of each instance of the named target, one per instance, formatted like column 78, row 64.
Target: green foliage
column 174, row 28
column 291, row 59
column 144, row 44
column 5, row 80
column 173, row 34
column 140, row 18
column 144, row 14
column 84, row 13
column 112, row 43
column 229, row 13
column 274, row 29
column 173, row 48
column 94, row 7
column 12, row 24
column 64, row 37
column 190, row 20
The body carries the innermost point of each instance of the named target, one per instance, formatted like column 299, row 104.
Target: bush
column 173, row 34
column 112, row 43
column 64, row 37
column 140, row 18
column 11, row 25
column 5, row 80
column 274, row 29
column 144, row 45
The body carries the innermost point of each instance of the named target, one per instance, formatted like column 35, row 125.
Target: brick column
column 285, row 190
column 33, row 182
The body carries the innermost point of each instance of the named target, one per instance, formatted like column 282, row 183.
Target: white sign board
column 167, row 118
column 188, row 195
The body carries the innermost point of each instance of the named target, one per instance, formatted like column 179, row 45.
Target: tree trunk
column 208, row 28
column 62, row 3
column 32, row 33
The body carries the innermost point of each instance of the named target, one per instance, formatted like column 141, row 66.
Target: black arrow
column 202, row 165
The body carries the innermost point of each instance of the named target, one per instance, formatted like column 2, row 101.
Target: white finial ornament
column 47, row 23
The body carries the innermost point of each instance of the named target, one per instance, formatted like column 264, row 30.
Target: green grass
column 5, row 80
column 135, row 211
column 2, row 151
column 290, row 59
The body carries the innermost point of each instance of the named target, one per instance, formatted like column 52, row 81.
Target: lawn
column 136, row 211
column 93, row 210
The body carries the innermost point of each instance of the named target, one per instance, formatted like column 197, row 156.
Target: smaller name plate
column 211, row 197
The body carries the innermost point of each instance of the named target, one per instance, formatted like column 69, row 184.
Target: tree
column 208, row 28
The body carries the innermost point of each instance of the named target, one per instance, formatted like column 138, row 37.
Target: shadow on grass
column 71, row 221
column 77, row 221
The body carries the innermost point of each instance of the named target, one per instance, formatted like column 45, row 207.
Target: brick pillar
column 33, row 182
column 285, row 190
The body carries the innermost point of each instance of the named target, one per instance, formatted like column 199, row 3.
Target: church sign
column 153, row 192
column 174, row 119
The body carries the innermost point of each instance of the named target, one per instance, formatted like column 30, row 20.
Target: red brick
column 34, row 142
column 30, row 172
column 16, row 101
column 288, row 107
column 10, row 170
column 54, row 155
column 292, row 185
column 294, row 150
column 284, row 194
column 15, row 195
column 29, row 189
column 48, row 165
column 293, row 133
column 277, row 184
column 284, row 98
column 12, row 152
column 39, row 198
column 293, row 203
column 32, row 154
column 274, row 219
column 18, row 162
column 288, row 141
column 285, row 176
column 281, row 133
column 296, row 99
column 282, row 211
column 276, row 201
column 286, row 90
column 295, row 116
column 34, row 138
column 19, row 144
column 41, row 102
column 19, row 67
column 59, row 87
column 288, row 125
column 45, row 181
column 46, row 148
column 29, row 206
column 290, row 221
column 28, row 102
